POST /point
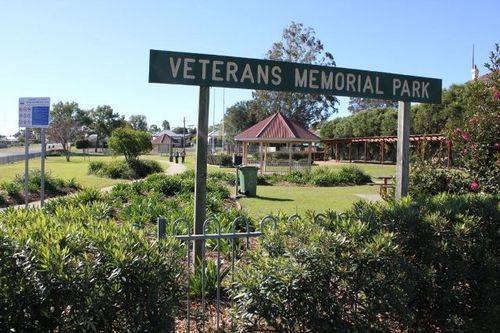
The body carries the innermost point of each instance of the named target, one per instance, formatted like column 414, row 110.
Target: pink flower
column 465, row 136
column 474, row 186
column 496, row 94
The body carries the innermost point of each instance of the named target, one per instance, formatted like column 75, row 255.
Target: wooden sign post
column 205, row 70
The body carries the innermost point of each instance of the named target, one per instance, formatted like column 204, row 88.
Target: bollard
column 162, row 228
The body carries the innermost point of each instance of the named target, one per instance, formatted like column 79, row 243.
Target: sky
column 96, row 52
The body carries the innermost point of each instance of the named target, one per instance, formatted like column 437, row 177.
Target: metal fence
column 239, row 242
column 20, row 156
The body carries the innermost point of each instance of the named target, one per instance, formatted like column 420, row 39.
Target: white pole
column 403, row 150
column 26, row 158
column 42, row 168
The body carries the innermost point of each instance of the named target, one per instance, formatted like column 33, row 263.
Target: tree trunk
column 67, row 147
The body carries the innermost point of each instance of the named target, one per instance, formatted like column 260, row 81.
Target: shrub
column 428, row 265
column 130, row 143
column 125, row 170
column 476, row 142
column 53, row 186
column 346, row 175
column 223, row 160
column 96, row 167
column 428, row 180
column 321, row 176
column 58, row 275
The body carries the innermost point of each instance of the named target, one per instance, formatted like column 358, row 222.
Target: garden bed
column 12, row 191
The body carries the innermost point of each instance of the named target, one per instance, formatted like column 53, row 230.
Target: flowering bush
column 476, row 142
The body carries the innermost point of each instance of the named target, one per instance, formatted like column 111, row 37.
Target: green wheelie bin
column 248, row 180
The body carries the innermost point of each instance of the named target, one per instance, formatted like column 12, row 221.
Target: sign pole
column 200, row 187
column 403, row 150
column 42, row 168
column 26, row 158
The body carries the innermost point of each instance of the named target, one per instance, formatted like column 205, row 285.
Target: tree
column 153, row 129
column 165, row 125
column 240, row 116
column 298, row 44
column 440, row 118
column 494, row 64
column 138, row 122
column 64, row 127
column 179, row 130
column 476, row 141
column 130, row 143
column 357, row 104
column 103, row 121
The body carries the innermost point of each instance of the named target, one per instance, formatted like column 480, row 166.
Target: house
column 164, row 141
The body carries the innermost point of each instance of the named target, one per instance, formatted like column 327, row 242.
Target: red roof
column 164, row 138
column 276, row 128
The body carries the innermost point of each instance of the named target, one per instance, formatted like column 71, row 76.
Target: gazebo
column 275, row 129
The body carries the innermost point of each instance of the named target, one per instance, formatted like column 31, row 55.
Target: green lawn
column 295, row 199
column 76, row 168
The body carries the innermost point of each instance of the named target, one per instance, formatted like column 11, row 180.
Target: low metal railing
column 233, row 237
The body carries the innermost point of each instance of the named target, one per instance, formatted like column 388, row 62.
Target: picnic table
column 385, row 184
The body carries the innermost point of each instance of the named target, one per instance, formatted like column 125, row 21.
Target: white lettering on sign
column 339, row 81
column 187, row 68
column 327, row 82
column 315, row 78
column 247, row 74
column 425, row 93
column 276, row 73
column 368, row 85
column 396, row 84
column 351, row 79
column 263, row 75
column 175, row 67
column 312, row 78
column 204, row 63
column 231, row 70
column 216, row 71
column 300, row 80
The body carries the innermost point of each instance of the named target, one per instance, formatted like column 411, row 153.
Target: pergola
column 275, row 129
column 381, row 141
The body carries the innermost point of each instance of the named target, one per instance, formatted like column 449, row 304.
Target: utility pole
column 200, row 185
column 223, row 134
column 183, row 133
column 213, row 127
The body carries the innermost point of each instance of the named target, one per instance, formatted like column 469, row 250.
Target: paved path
column 370, row 197
column 173, row 169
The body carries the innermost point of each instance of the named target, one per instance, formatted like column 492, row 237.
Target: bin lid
column 248, row 167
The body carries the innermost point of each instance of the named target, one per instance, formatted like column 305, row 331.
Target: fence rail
column 236, row 252
column 20, row 156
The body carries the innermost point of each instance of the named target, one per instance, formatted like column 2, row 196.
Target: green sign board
column 234, row 72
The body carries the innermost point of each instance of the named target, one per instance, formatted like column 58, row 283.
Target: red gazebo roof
column 277, row 128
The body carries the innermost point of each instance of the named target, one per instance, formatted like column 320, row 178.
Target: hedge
column 428, row 265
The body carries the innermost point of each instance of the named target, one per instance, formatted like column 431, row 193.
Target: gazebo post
column 290, row 156
column 366, row 151
column 382, row 151
column 337, row 156
column 309, row 159
column 245, row 152
column 265, row 156
column 350, row 155
column 260, row 157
